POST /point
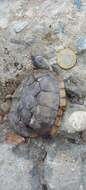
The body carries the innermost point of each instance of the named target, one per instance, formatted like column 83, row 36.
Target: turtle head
column 39, row 62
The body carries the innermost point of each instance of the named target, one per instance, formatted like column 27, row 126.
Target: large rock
column 14, row 171
column 64, row 167
column 74, row 119
column 20, row 166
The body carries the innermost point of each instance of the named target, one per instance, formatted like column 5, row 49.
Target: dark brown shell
column 38, row 105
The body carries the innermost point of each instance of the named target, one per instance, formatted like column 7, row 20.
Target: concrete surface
column 43, row 27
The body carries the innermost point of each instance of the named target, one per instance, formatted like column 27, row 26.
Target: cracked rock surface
column 42, row 28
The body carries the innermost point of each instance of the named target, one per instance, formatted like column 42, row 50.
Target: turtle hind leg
column 13, row 138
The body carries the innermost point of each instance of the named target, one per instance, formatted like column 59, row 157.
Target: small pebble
column 81, row 44
column 19, row 26
column 77, row 3
column 59, row 29
column 18, row 65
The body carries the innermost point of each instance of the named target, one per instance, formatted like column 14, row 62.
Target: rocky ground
column 43, row 27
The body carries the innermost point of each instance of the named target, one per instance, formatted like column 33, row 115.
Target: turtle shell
column 38, row 104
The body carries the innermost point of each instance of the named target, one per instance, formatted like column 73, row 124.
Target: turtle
column 38, row 103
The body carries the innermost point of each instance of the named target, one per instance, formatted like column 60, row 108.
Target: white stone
column 76, row 122
column 19, row 26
